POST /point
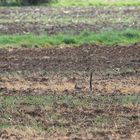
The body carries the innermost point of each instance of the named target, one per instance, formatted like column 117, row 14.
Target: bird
column 78, row 87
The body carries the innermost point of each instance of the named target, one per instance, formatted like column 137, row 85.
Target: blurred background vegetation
column 24, row 2
column 70, row 2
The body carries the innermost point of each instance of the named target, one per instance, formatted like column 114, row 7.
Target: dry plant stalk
column 90, row 82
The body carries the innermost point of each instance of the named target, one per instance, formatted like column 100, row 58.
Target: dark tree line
column 34, row 2
column 25, row 2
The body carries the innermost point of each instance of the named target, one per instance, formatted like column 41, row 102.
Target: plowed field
column 45, row 92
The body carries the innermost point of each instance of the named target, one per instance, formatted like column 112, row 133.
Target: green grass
column 85, row 3
column 67, row 3
column 108, row 37
column 72, row 101
column 3, row 126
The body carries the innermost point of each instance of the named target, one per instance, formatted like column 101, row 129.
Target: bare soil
column 38, row 20
column 61, row 69
column 110, row 111
column 92, row 120
column 57, row 72
column 84, row 58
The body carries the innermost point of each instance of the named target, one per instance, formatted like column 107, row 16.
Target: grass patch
column 3, row 126
column 107, row 37
column 85, row 3
column 72, row 101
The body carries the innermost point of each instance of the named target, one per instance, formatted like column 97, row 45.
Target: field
column 46, row 58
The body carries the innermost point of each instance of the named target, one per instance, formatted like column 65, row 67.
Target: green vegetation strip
column 67, row 3
column 72, row 101
column 108, row 37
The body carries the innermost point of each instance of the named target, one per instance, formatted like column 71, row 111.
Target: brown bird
column 78, row 87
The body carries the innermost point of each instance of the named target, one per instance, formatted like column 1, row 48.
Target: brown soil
column 45, row 72
column 65, row 71
column 66, row 84
column 84, row 58
column 61, row 69
column 53, row 20
column 117, row 122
